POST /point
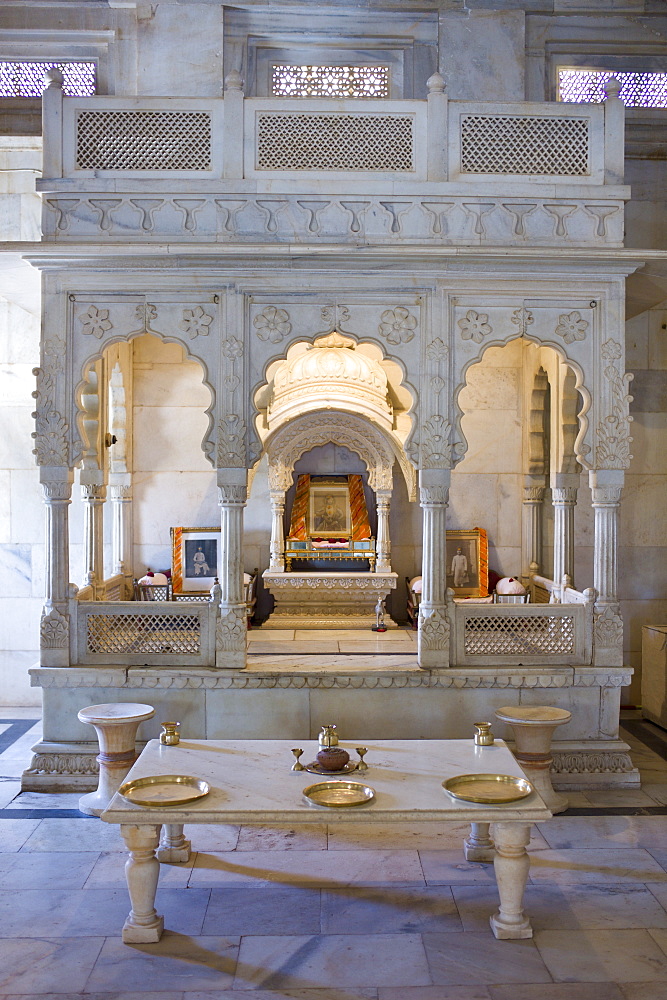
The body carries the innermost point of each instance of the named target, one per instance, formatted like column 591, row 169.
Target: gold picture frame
column 329, row 513
column 467, row 562
column 195, row 559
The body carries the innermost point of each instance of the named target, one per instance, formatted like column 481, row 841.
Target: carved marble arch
column 581, row 449
column 92, row 362
column 291, row 441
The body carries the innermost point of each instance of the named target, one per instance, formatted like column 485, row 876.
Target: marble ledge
column 321, row 675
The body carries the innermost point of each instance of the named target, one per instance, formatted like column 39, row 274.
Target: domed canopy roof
column 330, row 374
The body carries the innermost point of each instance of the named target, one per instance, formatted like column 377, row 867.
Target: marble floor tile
column 337, row 634
column 326, row 993
column 409, row 836
column 375, row 646
column 389, row 910
column 434, row 993
column 450, row 867
column 463, row 959
column 602, row 866
column 586, row 956
column 109, row 872
column 266, row 838
column 15, row 832
column 274, row 634
column 36, row 966
column 116, row 995
column 309, row 868
column 46, row 800
column 558, row 991
column 346, row 960
column 8, row 791
column 46, row 871
column 567, row 907
column 659, row 935
column 267, row 910
column 622, row 797
column 606, row 831
column 293, row 648
column 657, row 792
column 54, row 834
column 176, row 962
column 93, row 912
column 659, row 891
column 644, row 991
column 212, row 836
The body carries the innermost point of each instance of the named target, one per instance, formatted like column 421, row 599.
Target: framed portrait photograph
column 195, row 559
column 467, row 562
column 329, row 511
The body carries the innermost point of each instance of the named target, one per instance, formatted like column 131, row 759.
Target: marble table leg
column 174, row 848
column 511, row 866
column 478, row 845
column 142, row 871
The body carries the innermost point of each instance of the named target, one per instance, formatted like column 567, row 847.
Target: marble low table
column 251, row 782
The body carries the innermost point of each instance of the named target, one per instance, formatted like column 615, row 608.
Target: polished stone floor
column 338, row 914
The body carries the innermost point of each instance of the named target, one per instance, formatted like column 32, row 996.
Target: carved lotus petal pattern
column 397, row 325
column 571, row 327
column 195, row 322
column 475, row 326
column 95, row 322
column 272, row 324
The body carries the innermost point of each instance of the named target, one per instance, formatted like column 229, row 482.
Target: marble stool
column 533, row 727
column 116, row 726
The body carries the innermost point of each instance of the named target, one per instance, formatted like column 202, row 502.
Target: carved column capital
column 533, row 494
column 232, row 495
column 606, row 495
column 564, row 494
column 93, row 493
column 57, row 491
column 433, row 496
column 119, row 494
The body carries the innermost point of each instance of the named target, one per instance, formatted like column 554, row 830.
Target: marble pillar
column 564, row 500
column 433, row 639
column 606, row 489
column 93, row 497
column 277, row 550
column 120, row 497
column 533, row 498
column 54, row 624
column 232, row 626
column 383, row 543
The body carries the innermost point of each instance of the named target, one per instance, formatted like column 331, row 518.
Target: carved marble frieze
column 336, row 217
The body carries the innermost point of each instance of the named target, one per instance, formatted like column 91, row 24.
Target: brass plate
column 164, row 790
column 338, row 794
column 316, row 768
column 492, row 789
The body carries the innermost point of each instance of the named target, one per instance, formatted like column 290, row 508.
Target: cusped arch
column 85, row 366
column 580, row 447
column 292, row 440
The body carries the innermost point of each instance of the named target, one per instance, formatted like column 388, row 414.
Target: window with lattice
column 26, row 79
column 330, row 81
column 638, row 89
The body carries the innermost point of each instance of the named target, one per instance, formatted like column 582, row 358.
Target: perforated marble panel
column 512, row 144
column 306, row 141
column 143, row 140
column 508, row 635
column 26, row 79
column 638, row 90
column 143, row 633
column 330, row 81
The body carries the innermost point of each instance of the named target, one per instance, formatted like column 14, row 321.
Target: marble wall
column 21, row 514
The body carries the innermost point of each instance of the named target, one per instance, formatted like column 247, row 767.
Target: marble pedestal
column 327, row 600
column 116, row 727
column 534, row 726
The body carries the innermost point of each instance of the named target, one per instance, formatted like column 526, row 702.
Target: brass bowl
column 164, row 790
column 490, row 789
column 338, row 794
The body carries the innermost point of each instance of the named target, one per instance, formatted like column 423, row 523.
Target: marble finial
column 436, row 84
column 53, row 78
column 234, row 80
column 612, row 87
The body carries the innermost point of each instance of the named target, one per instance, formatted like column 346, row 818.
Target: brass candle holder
column 170, row 735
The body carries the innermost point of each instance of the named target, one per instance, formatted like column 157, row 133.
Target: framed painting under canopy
column 468, row 562
column 195, row 560
column 329, row 510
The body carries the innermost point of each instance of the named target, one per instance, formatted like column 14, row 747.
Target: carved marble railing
column 159, row 633
column 523, row 634
column 256, row 170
